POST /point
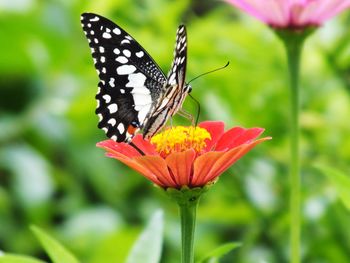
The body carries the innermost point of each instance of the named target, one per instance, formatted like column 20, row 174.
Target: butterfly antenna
column 198, row 107
column 211, row 71
column 137, row 148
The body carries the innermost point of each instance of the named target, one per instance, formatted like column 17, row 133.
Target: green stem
column 293, row 54
column 187, row 199
column 188, row 224
column 293, row 42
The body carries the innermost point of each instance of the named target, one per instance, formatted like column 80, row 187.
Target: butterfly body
column 134, row 94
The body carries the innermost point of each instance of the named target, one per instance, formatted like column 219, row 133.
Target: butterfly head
column 187, row 88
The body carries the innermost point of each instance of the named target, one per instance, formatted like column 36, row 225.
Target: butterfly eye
column 188, row 88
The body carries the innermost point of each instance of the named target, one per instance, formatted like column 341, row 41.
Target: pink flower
column 292, row 13
column 186, row 156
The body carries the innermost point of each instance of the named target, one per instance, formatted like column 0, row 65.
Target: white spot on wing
column 100, row 117
column 116, row 51
column 101, row 49
column 139, row 54
column 113, row 108
column 111, row 82
column 103, row 59
column 126, row 69
column 96, row 18
column 144, row 100
column 143, row 109
column 106, row 35
column 172, row 79
column 121, row 128
column 107, row 98
column 137, row 82
column 127, row 53
column 112, row 121
column 105, row 129
column 122, row 59
column 125, row 41
column 116, row 31
column 114, row 137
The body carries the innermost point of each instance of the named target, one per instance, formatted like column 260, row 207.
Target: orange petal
column 219, row 162
column 142, row 170
column 237, row 136
column 158, row 167
column 202, row 167
column 180, row 164
column 144, row 145
column 216, row 130
column 118, row 147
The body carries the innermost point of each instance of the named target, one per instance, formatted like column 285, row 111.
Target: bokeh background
column 52, row 175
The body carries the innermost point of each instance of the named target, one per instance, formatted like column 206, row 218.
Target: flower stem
column 187, row 199
column 188, row 224
column 293, row 42
column 293, row 54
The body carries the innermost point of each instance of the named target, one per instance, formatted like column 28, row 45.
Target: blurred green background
column 52, row 175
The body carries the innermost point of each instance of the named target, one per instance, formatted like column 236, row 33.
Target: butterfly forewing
column 176, row 75
column 130, row 81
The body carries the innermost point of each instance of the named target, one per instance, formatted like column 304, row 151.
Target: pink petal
column 180, row 164
column 237, row 136
column 317, row 12
column 271, row 12
column 216, row 130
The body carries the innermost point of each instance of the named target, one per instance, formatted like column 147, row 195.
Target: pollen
column 179, row 139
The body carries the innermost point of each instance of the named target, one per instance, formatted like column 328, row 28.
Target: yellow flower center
column 179, row 139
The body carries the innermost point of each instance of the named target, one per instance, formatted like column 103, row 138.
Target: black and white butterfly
column 133, row 91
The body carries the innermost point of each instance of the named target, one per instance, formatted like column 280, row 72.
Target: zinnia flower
column 292, row 13
column 186, row 156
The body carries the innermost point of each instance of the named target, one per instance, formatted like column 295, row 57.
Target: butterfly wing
column 176, row 75
column 175, row 88
column 130, row 81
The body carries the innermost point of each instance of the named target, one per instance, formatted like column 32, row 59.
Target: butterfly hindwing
column 130, row 81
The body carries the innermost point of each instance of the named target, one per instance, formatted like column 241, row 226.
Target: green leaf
column 55, row 250
column 10, row 258
column 148, row 247
column 341, row 182
column 217, row 253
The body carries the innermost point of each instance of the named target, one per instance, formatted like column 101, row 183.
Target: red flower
column 186, row 156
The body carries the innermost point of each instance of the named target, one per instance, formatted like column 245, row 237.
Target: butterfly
column 133, row 92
